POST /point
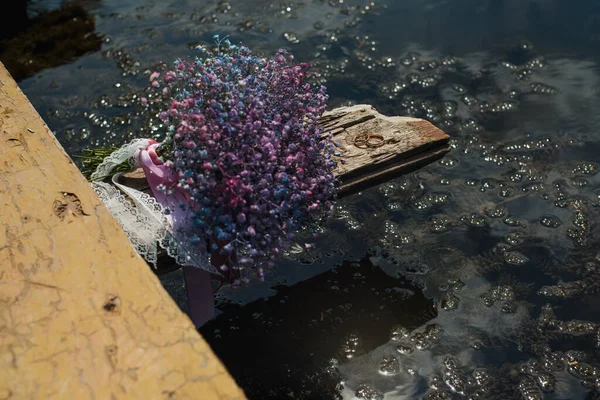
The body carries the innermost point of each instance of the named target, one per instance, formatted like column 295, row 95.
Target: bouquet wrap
column 243, row 165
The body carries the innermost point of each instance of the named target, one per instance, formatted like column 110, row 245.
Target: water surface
column 474, row 277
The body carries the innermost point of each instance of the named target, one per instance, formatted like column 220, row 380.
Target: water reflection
column 482, row 315
column 46, row 40
column 293, row 337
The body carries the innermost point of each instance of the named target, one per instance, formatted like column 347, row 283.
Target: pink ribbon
column 163, row 183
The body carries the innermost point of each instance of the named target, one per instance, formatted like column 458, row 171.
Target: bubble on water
column 593, row 384
column 427, row 82
column 511, row 220
column 475, row 220
column 582, row 370
column 426, row 338
column 488, row 183
column 573, row 357
column 399, row 333
column 529, row 390
column 428, row 65
column 421, row 205
column 394, row 206
column 367, row 392
column 505, row 106
column 452, row 285
column 482, row 377
column 421, row 341
column 547, row 318
column 469, row 100
column 448, row 161
column 449, row 109
column 404, row 349
column 550, row 221
column 389, row 366
column 438, row 394
column 500, row 249
column 496, row 212
column 407, row 61
column 345, row 216
column 541, row 88
column 577, row 328
column 514, row 238
column 509, row 65
column 580, row 220
column 586, row 168
column 438, row 198
column 388, row 189
column 515, row 258
column 459, row 88
column 503, row 294
column 546, row 381
column 439, row 224
column 516, row 177
column 564, row 290
column 471, row 125
column 350, row 347
column 579, row 182
column 406, row 238
column 553, row 362
column 453, row 378
column 533, row 367
column 534, row 187
column 449, row 302
column 291, row 37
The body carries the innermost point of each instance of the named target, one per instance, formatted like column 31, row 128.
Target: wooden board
column 407, row 144
column 410, row 144
column 81, row 314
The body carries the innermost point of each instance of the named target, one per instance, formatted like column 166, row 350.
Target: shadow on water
column 47, row 40
column 14, row 21
column 293, row 336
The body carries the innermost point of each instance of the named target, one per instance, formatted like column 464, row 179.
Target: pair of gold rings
column 366, row 140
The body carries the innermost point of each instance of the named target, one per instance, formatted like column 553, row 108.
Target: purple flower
column 245, row 144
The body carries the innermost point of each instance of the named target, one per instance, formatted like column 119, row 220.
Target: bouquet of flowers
column 244, row 164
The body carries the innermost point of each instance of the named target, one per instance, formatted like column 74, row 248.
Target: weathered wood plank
column 81, row 314
column 407, row 144
column 410, row 143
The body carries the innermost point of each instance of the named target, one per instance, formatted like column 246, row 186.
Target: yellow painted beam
column 81, row 314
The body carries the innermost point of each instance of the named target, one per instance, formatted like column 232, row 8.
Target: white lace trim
column 128, row 152
column 140, row 232
column 143, row 218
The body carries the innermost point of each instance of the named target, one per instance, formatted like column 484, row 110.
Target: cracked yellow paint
column 81, row 315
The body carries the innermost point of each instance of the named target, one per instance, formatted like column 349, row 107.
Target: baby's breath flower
column 247, row 148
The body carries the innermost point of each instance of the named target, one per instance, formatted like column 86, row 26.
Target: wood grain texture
column 409, row 143
column 81, row 314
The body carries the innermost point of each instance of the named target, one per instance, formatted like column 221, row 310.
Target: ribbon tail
column 201, row 299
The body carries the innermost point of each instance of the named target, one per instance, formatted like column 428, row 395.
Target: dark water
column 475, row 277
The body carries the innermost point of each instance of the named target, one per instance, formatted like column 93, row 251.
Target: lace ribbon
column 143, row 217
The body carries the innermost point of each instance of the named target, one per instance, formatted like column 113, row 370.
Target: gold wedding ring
column 365, row 140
